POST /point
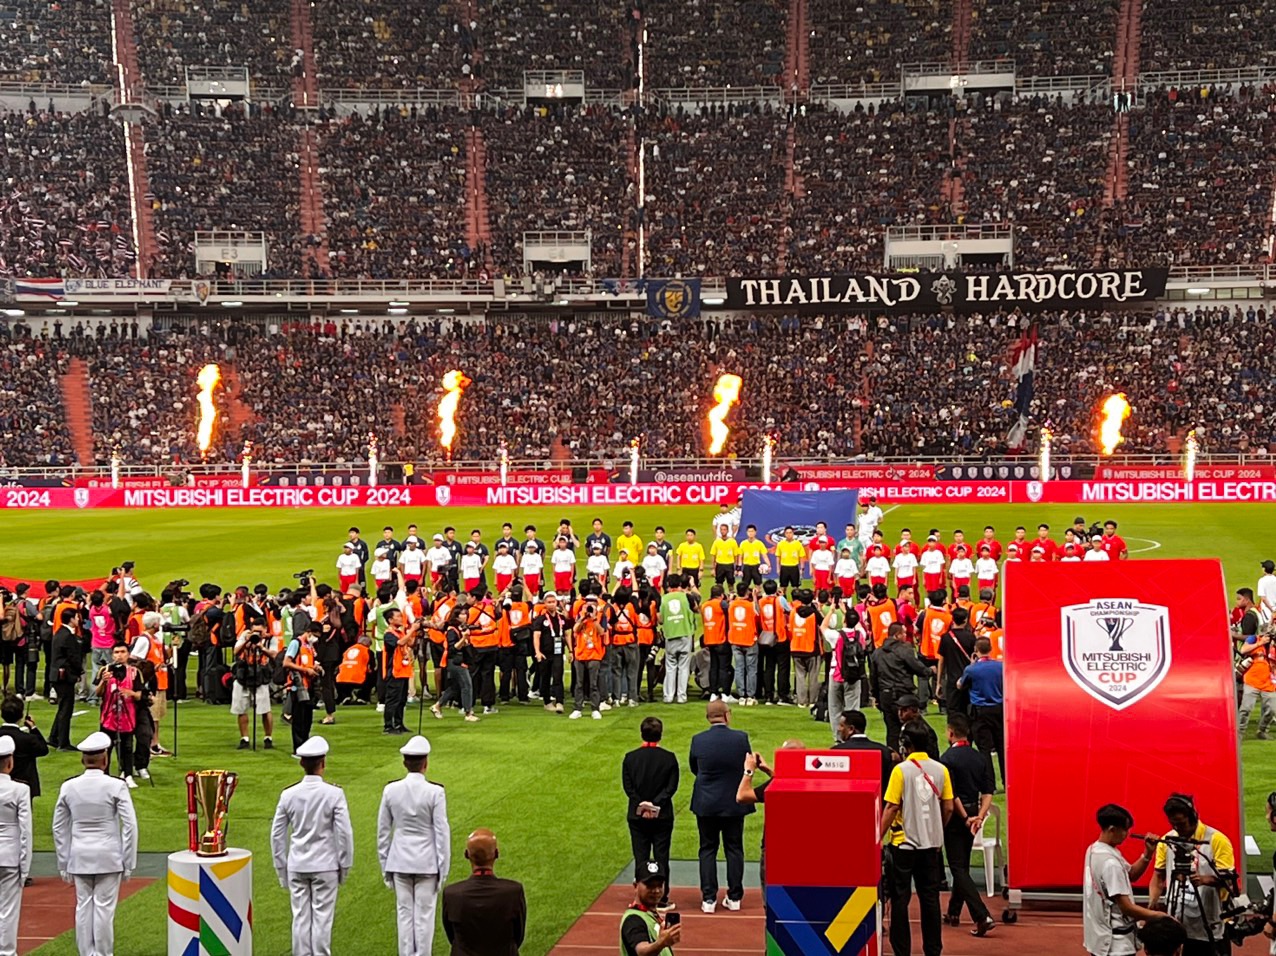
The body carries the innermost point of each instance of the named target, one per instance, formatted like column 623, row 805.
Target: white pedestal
column 210, row 901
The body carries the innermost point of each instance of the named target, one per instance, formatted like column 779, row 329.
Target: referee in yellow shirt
column 752, row 556
column 690, row 558
column 725, row 551
column 791, row 554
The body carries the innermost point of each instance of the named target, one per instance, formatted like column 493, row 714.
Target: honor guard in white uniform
column 15, row 848
column 95, row 838
column 414, row 844
column 313, row 849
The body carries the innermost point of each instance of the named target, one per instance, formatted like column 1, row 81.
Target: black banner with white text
column 958, row 291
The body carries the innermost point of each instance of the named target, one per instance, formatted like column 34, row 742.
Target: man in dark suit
column 717, row 754
column 650, row 779
column 484, row 915
column 851, row 733
column 66, row 667
column 28, row 743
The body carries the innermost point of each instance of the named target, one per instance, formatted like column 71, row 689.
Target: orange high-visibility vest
column 938, row 623
column 624, row 625
column 983, row 616
column 742, row 623
column 483, row 628
column 801, row 632
column 997, row 637
column 715, row 627
column 353, row 668
column 155, row 654
column 771, row 617
column 881, row 617
column 305, row 658
column 402, row 663
column 647, row 625
column 590, row 644
column 442, row 610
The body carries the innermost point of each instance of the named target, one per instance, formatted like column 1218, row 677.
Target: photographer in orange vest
column 397, row 665
column 589, row 647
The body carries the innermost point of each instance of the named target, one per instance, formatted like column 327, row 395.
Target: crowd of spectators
column 389, row 45
column 560, row 170
column 715, row 43
column 33, row 430
column 1041, row 166
column 64, row 196
column 716, row 200
column 1206, row 34
column 66, row 41
column 227, row 170
column 1202, row 164
column 1046, row 37
column 862, row 173
column 394, row 194
column 867, row 41
column 514, row 36
column 175, row 34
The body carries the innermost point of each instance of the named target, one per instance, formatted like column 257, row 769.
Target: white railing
column 392, row 97
column 992, row 230
column 948, row 68
column 1250, row 74
column 719, row 94
column 824, row 92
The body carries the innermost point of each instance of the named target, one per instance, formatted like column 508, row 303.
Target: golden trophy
column 209, row 793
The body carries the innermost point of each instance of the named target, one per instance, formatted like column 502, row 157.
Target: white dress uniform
column 95, row 838
column 414, row 844
column 15, row 851
column 315, row 860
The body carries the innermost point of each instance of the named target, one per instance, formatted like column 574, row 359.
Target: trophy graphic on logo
column 210, row 791
column 1115, row 626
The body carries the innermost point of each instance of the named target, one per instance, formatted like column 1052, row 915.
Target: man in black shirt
column 66, row 666
column 529, row 534
column 909, row 707
column 650, row 779
column 599, row 536
column 507, row 538
column 973, row 786
column 456, row 549
column 956, row 648
column 851, row 733
column 476, row 539
column 551, row 633
column 892, row 677
column 361, row 552
column 392, row 546
column 642, row 932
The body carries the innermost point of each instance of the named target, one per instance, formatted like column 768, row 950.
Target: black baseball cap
column 908, row 700
column 649, row 874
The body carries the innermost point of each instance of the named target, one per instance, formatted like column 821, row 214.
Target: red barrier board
column 1119, row 689
column 492, row 479
column 1228, row 472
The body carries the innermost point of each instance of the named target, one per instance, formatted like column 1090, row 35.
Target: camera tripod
column 1180, row 885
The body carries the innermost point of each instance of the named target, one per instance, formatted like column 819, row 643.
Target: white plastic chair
column 990, row 846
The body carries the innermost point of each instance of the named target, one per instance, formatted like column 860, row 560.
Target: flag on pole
column 1023, row 364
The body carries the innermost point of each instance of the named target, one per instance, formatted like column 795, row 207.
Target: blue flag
column 673, row 298
column 772, row 511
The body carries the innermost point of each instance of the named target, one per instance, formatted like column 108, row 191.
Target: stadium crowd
column 1046, row 39
column 388, row 45
column 66, row 43
column 173, row 35
column 707, row 43
column 33, row 428
column 514, row 37
column 868, row 41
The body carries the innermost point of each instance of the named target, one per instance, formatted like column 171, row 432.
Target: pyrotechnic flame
column 726, row 393
column 1116, row 409
column 453, row 384
column 209, row 376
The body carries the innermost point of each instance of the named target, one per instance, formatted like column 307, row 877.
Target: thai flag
column 52, row 288
column 1023, row 364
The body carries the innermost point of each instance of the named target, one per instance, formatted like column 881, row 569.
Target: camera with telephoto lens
column 303, row 577
column 118, row 671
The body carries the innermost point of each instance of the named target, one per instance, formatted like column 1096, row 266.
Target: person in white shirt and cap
column 414, row 844
column 95, row 841
column 15, row 847
column 313, row 849
column 348, row 566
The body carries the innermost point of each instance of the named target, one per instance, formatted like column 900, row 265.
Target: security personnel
column 414, row 847
column 313, row 849
column 95, row 840
column 15, row 848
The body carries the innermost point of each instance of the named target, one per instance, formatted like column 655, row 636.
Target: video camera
column 1241, row 917
column 303, row 577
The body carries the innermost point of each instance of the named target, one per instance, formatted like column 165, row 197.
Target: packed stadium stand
column 173, row 35
column 716, row 43
column 867, row 41
column 32, row 424
column 1045, row 37
column 1206, row 35
column 64, row 42
column 518, row 35
column 383, row 44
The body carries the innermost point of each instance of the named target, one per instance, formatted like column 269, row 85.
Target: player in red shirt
column 906, row 543
column 1113, row 543
column 822, row 541
column 959, row 541
column 1021, row 539
column 990, row 542
column 878, row 542
column 906, row 607
column 1049, row 550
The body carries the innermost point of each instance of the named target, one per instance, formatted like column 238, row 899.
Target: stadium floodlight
column 230, row 303
column 69, row 303
column 15, row 313
column 714, row 301
column 1198, row 290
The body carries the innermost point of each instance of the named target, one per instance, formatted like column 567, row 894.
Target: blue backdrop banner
column 772, row 511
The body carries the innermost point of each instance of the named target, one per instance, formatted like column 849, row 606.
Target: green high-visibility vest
column 653, row 929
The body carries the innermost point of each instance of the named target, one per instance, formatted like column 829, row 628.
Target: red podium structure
column 822, row 880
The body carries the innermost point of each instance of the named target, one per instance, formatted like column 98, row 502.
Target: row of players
column 825, row 562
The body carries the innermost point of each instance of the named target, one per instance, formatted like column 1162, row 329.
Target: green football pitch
column 550, row 788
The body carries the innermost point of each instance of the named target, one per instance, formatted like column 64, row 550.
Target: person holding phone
column 643, row 932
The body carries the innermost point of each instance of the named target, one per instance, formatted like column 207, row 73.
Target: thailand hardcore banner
column 958, row 291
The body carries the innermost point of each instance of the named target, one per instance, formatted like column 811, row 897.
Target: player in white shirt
column 878, row 568
column 905, row 565
column 471, row 568
column 933, row 561
column 655, row 566
column 845, row 571
column 1096, row 552
column 381, row 570
column 1266, row 591
column 348, row 566
column 729, row 517
column 597, row 566
column 961, row 571
column 532, row 566
column 869, row 519
column 504, row 566
column 412, row 561
column 563, row 560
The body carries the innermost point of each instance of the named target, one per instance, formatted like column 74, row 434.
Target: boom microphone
column 1144, row 837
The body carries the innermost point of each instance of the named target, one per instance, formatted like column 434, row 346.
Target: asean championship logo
column 1116, row 649
column 81, row 497
column 1035, row 491
column 443, row 495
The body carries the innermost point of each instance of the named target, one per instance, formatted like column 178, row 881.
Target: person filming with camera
column 255, row 655
column 1189, row 881
column 119, row 687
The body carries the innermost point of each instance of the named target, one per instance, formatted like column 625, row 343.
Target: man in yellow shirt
column 918, row 805
column 630, row 542
column 1212, row 852
column 752, row 557
column 725, row 551
column 690, row 559
column 791, row 554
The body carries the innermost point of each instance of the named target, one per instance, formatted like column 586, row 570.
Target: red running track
column 48, row 909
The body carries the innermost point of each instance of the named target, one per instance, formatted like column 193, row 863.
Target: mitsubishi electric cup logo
column 81, row 497
column 442, row 495
column 1035, row 491
column 1116, row 649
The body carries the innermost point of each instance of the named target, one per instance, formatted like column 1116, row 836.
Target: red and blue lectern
column 823, row 856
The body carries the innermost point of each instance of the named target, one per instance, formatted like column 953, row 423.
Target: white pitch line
column 1151, row 545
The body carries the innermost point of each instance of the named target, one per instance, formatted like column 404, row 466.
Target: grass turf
column 548, row 787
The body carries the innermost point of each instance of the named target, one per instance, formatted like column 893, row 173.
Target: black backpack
column 853, row 657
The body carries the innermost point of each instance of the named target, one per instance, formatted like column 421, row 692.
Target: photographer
column 588, row 650
column 255, row 654
column 303, row 671
column 119, row 687
column 152, row 658
column 176, row 615
column 398, row 663
column 457, row 684
column 1108, row 908
column 1196, row 856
